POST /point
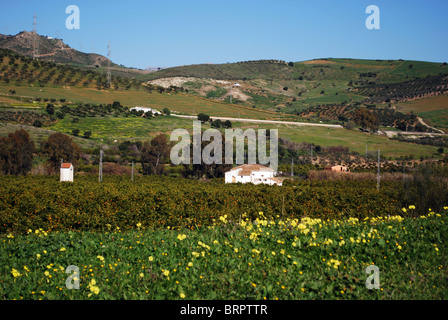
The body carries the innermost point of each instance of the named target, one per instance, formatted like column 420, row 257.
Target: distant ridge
column 50, row 49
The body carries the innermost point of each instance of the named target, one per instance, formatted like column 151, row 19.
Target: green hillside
column 31, row 44
column 292, row 87
column 17, row 69
column 319, row 69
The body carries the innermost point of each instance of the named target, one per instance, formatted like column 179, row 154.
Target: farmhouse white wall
column 249, row 173
column 67, row 173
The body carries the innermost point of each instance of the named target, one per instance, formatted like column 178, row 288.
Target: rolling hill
column 298, row 87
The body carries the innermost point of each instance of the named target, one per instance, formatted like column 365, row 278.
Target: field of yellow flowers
column 255, row 257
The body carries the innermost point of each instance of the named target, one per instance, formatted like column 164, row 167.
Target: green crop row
column 34, row 202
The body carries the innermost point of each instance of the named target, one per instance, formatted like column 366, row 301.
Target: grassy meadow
column 433, row 110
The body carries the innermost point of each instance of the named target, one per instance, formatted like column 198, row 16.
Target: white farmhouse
column 252, row 173
column 67, row 172
column 144, row 109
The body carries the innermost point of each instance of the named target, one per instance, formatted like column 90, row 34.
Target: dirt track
column 267, row 121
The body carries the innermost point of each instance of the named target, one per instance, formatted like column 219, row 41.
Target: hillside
column 49, row 49
column 299, row 87
column 55, row 50
column 18, row 69
column 384, row 71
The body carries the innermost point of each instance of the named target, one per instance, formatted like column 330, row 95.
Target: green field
column 277, row 260
column 177, row 102
column 353, row 139
column 108, row 129
column 40, row 134
column 433, row 110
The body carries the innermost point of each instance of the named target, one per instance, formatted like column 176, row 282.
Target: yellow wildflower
column 181, row 237
column 15, row 273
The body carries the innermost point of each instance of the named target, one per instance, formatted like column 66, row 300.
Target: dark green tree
column 155, row 154
column 87, row 134
column 16, row 153
column 59, row 147
column 203, row 117
column 50, row 109
column 227, row 124
column 216, row 123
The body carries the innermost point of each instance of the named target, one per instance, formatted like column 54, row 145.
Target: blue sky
column 180, row 32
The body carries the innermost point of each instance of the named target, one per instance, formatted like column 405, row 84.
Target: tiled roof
column 253, row 167
column 66, row 165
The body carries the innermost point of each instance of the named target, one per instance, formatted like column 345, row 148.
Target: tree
column 75, row 132
column 16, row 153
column 227, row 124
column 50, row 109
column 216, row 124
column 154, row 155
column 366, row 119
column 87, row 134
column 60, row 115
column 203, row 117
column 440, row 150
column 291, row 64
column 59, row 147
column 37, row 123
column 148, row 114
column 203, row 170
column 166, row 111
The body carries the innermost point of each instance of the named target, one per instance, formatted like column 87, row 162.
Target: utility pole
column 100, row 176
column 108, row 66
column 35, row 37
column 311, row 154
column 378, row 175
column 132, row 175
column 292, row 167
